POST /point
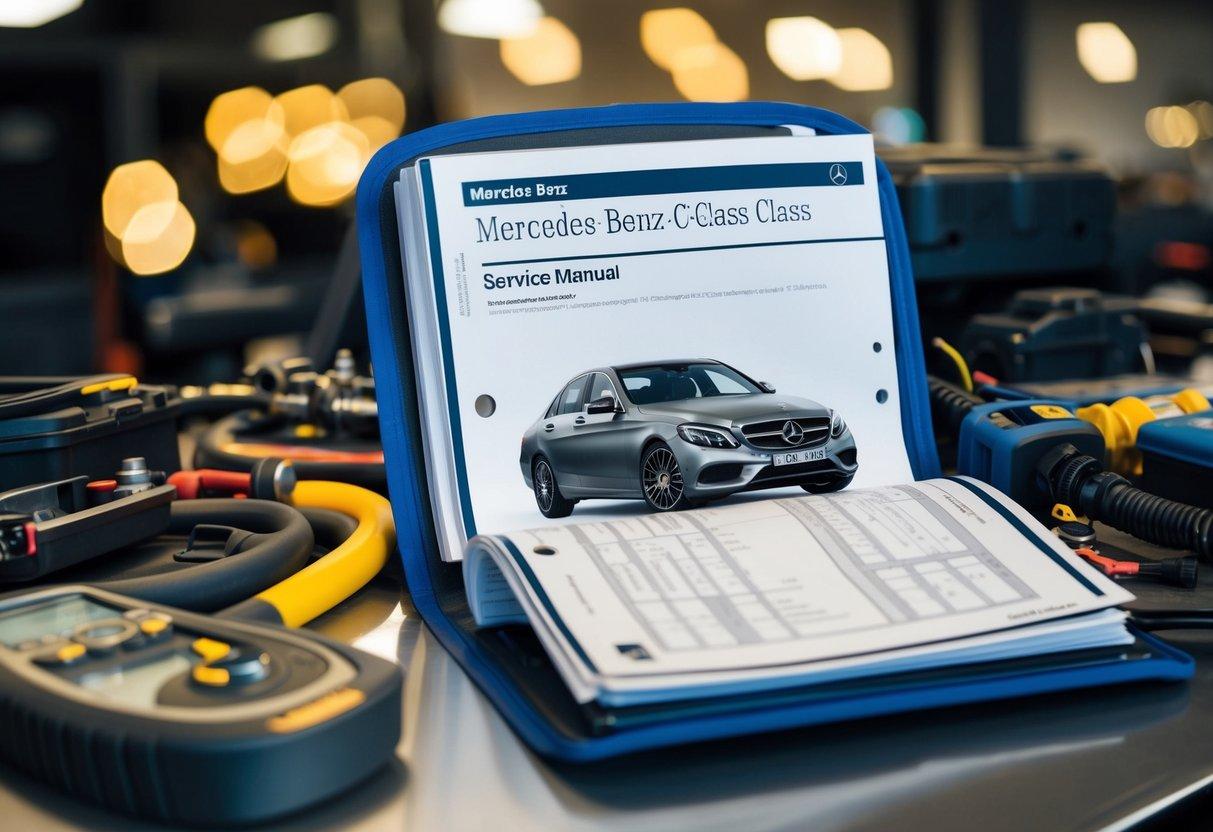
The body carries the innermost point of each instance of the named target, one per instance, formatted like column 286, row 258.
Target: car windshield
column 677, row 382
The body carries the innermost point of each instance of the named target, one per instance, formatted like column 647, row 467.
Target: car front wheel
column 661, row 479
column 547, row 493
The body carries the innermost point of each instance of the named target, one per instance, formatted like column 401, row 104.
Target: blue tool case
column 507, row 663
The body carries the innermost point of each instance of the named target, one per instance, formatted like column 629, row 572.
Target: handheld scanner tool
column 186, row 718
column 1121, row 421
column 47, row 527
column 1002, row 442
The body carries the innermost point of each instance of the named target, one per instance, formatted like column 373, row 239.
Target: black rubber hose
column 1080, row 482
column 282, row 547
column 950, row 405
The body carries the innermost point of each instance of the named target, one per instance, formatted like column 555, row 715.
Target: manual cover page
column 626, row 330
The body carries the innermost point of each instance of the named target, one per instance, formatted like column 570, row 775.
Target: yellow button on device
column 317, row 711
column 211, row 650
column 212, row 677
column 1051, row 411
column 70, row 652
column 153, row 626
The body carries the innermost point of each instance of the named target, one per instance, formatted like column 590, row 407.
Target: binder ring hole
column 877, row 347
column 544, row 550
column 882, row 396
column 486, row 405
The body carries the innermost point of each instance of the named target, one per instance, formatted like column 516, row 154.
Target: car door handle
column 549, row 427
column 580, row 420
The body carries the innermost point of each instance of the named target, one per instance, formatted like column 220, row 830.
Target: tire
column 829, row 487
column 661, row 479
column 547, row 493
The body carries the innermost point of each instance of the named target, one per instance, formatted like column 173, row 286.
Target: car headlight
column 837, row 425
column 706, row 437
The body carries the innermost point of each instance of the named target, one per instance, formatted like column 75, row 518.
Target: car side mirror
column 604, row 405
column 766, row 388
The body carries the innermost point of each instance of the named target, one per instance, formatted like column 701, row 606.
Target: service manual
column 673, row 364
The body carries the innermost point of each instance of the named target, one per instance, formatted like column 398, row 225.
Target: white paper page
column 768, row 257
column 778, row 583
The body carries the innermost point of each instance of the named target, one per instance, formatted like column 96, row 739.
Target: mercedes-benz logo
column 792, row 433
column 838, row 174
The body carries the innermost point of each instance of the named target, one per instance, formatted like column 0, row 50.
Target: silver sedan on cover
column 678, row 433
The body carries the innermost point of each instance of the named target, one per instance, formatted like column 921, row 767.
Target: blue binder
column 507, row 663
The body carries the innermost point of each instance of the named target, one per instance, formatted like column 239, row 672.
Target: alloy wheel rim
column 662, row 479
column 543, row 485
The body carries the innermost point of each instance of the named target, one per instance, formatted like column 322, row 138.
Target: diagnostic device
column 50, row 526
column 186, row 718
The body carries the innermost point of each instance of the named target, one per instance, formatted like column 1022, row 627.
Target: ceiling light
column 158, row 239
column 549, row 55
column 325, row 163
column 1106, row 53
column 666, row 32
column 131, row 187
column 489, row 18
column 866, row 62
column 376, row 107
column 804, row 48
column 27, row 14
column 711, row 72
column 307, row 107
column 1172, row 127
column 305, row 36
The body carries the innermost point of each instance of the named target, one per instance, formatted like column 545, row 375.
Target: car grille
column 770, row 434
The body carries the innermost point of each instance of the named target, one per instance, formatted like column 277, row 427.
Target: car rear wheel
column 661, row 479
column 547, row 493
column 827, row 487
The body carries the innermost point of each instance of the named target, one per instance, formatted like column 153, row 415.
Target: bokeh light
column 306, row 107
column 711, row 72
column 376, row 107
column 549, row 55
column 665, row 33
column 489, row 18
column 132, row 187
column 898, row 125
column 325, row 163
column 1106, row 52
column 866, row 64
column 803, row 48
column 1172, row 127
column 158, row 239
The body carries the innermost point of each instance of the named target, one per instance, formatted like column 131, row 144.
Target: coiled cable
column 1080, row 482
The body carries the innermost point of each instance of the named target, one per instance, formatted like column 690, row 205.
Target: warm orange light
column 1172, row 127
column 866, row 62
column 311, row 106
column 804, row 48
column 255, row 245
column 376, row 107
column 325, row 163
column 1106, row 52
column 551, row 54
column 158, row 238
column 664, row 33
column 131, row 187
column 711, row 72
column 232, row 109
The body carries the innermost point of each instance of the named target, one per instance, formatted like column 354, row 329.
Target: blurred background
column 176, row 177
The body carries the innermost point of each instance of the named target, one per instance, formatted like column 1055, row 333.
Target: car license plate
column 798, row 457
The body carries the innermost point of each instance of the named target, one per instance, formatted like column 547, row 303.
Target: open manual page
column 792, row 592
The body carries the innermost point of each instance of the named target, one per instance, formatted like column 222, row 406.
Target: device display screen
column 56, row 617
column 138, row 685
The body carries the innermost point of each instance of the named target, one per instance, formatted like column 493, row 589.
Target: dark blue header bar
column 664, row 181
